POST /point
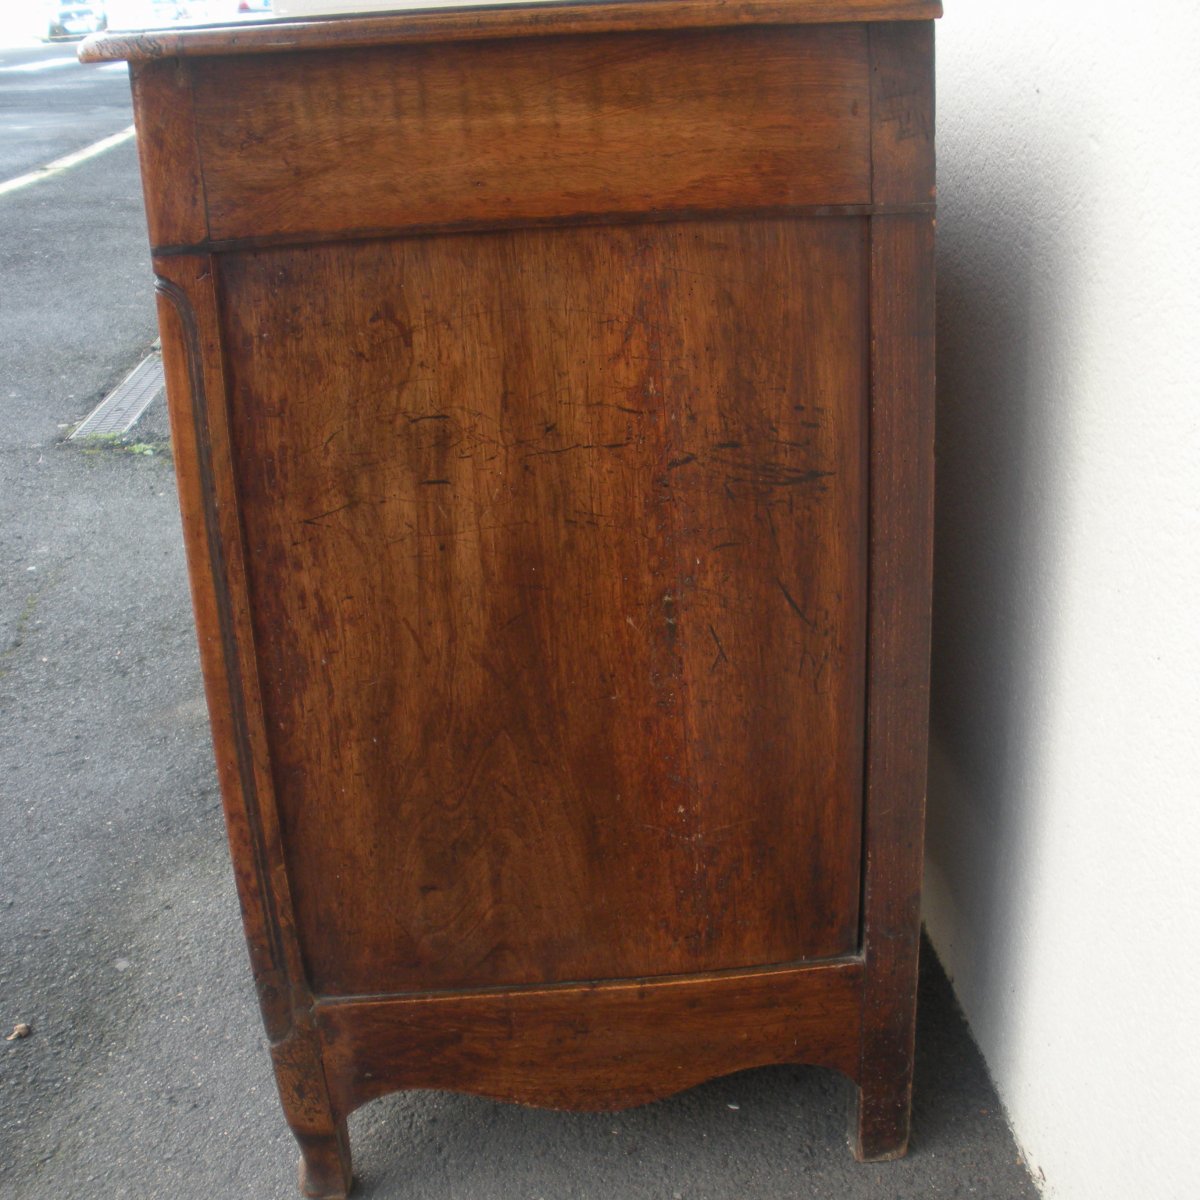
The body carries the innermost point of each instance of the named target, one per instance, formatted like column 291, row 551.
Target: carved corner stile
column 227, row 659
column 210, row 575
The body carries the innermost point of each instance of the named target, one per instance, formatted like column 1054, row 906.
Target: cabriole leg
column 317, row 1125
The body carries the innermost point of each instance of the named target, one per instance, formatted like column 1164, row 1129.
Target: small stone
column 20, row 1030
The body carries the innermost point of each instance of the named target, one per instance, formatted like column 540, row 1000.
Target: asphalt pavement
column 51, row 104
column 146, row 1073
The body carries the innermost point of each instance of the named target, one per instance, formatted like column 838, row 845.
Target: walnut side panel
column 406, row 137
column 593, row 1047
column 556, row 542
column 901, row 538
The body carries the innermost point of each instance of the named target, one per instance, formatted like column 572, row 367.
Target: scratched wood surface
column 556, row 552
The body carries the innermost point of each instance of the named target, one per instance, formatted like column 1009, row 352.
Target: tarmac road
column 146, row 1074
column 51, row 104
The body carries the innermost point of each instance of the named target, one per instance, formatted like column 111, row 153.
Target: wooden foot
column 317, row 1125
column 880, row 1120
column 325, row 1164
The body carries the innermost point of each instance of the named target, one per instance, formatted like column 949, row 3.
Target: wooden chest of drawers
column 551, row 392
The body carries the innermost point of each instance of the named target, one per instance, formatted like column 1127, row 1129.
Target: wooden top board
column 492, row 21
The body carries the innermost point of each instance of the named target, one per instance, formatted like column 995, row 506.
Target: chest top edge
column 471, row 23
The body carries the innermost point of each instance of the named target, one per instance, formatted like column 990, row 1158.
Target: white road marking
column 66, row 163
column 123, row 67
column 42, row 64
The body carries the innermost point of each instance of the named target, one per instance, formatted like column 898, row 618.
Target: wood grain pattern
column 452, row 135
column 593, row 1048
column 283, row 37
column 902, row 374
column 571, row 595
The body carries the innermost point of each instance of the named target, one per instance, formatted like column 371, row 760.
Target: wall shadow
column 1003, row 453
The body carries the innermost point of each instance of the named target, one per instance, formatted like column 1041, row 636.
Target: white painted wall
column 1064, row 817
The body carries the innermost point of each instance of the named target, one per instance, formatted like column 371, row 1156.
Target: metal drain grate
column 120, row 409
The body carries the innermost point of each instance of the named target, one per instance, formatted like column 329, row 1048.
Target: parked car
column 73, row 20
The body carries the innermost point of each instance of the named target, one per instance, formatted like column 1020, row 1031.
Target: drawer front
column 410, row 137
column 556, row 552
